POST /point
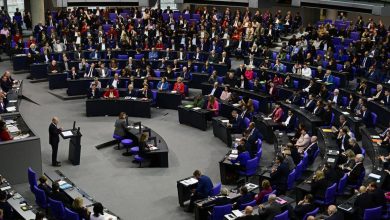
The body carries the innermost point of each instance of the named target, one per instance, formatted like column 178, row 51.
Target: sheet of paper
column 375, row 136
column 13, row 101
column 11, row 109
column 225, row 121
column 267, row 118
column 5, row 188
column 233, row 156
column 375, row 176
column 237, row 213
column 8, row 122
column 236, row 105
column 12, row 128
column 346, row 113
column 331, row 160
column 196, row 108
column 67, row 133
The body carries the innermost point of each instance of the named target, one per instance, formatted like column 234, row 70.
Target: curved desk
column 133, row 107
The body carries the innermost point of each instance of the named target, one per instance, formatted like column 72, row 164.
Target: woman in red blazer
column 4, row 133
column 179, row 86
column 213, row 105
column 111, row 93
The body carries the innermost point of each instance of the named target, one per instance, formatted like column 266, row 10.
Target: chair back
column 70, row 215
column 342, row 184
column 259, row 153
column 336, row 81
column 374, row 118
column 57, row 209
column 40, row 197
column 259, row 144
column 252, row 204
column 246, row 122
column 312, row 213
column 216, row 189
column 32, row 178
column 305, row 161
column 251, row 166
column 330, row 194
column 256, row 105
column 344, row 101
column 219, row 212
column 296, row 84
column 291, row 179
column 282, row 216
column 315, row 155
column 298, row 170
column 373, row 213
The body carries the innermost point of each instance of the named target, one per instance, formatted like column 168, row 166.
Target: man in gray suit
column 270, row 210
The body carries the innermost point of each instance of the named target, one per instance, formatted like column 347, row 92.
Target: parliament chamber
column 255, row 109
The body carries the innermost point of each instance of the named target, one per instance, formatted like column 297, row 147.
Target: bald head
column 332, row 209
column 248, row 210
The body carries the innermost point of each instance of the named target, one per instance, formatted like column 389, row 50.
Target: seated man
column 289, row 123
column 312, row 148
column 295, row 99
column 93, row 92
column 245, row 197
column 304, row 206
column 356, row 172
column 270, row 210
column 378, row 95
column 333, row 214
column 203, row 190
column 236, row 123
column 153, row 54
column 59, row 196
column 279, row 174
column 248, row 214
column 335, row 98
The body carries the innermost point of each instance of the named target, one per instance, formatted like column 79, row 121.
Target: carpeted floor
column 109, row 177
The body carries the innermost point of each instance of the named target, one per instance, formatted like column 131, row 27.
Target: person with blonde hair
column 319, row 185
column 78, row 207
column 265, row 190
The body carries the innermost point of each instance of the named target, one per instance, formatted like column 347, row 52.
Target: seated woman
column 4, row 133
column 179, row 86
column 98, row 213
column 347, row 159
column 78, row 207
column 225, row 95
column 213, row 77
column 242, row 158
column 163, row 84
column 198, row 101
column 169, row 73
column 143, row 145
column 319, row 185
column 213, row 105
column 113, row 65
column 249, row 73
column 265, row 189
column 111, row 93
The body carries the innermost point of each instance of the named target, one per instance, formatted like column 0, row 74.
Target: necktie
column 90, row 72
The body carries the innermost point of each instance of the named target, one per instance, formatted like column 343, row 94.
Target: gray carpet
column 109, row 177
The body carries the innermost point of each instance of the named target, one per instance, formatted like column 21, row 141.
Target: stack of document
column 21, row 136
column 233, row 156
column 225, row 121
column 12, row 128
column 64, row 185
column 67, row 133
column 11, row 109
column 346, row 113
column 196, row 108
column 237, row 213
column 375, row 176
column 189, row 181
column 8, row 122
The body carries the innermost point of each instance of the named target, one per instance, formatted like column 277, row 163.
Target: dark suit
column 367, row 119
column 355, row 173
column 93, row 95
column 386, row 100
column 54, row 139
column 295, row 99
column 60, row 196
column 318, row 188
column 311, row 151
column 336, row 216
column 279, row 178
column 310, row 105
column 237, row 125
column 250, row 144
column 45, row 188
column 362, row 202
column 269, row 212
column 301, row 210
column 338, row 99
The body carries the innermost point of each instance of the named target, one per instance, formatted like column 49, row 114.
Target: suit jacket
column 94, row 72
column 310, row 106
column 311, row 150
column 131, row 93
column 301, row 210
column 279, row 177
column 60, row 196
column 120, row 127
column 336, row 216
column 148, row 94
column 90, row 94
column 355, row 173
column 270, row 211
column 344, row 142
column 362, row 202
column 318, row 188
column 106, row 72
column 338, row 99
column 250, row 144
column 118, row 85
column 367, row 119
column 386, row 100
column 237, row 125
column 54, row 134
column 295, row 99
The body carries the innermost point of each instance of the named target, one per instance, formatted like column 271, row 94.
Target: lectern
column 74, row 144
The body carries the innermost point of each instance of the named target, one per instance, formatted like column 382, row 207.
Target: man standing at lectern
column 54, row 139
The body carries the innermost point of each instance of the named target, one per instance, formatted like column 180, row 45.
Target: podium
column 74, row 144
